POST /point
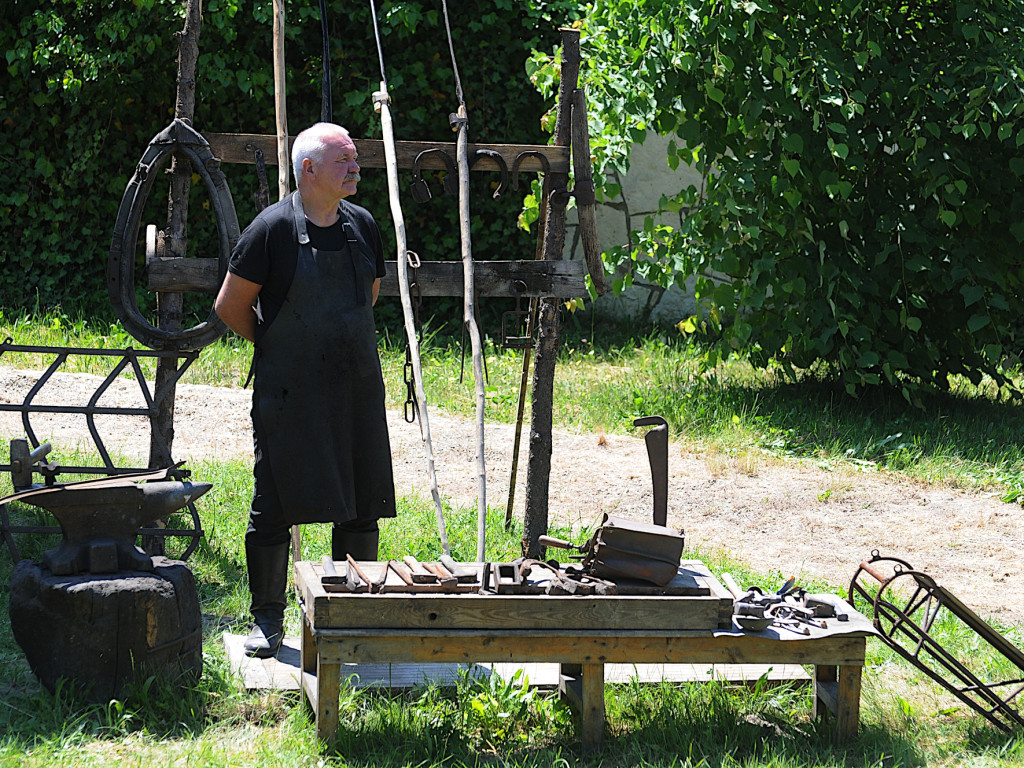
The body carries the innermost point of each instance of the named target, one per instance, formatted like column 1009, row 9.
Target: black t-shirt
column 268, row 249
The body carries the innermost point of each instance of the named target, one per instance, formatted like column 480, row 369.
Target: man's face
column 337, row 174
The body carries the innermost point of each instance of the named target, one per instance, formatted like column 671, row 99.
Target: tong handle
column 549, row 541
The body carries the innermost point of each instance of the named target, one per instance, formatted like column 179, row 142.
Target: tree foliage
column 88, row 84
column 862, row 166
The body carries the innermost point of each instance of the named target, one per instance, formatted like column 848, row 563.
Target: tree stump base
column 103, row 633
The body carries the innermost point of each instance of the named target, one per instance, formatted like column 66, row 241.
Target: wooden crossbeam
column 558, row 279
column 239, row 148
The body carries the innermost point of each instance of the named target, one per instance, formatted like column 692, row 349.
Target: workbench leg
column 592, row 707
column 848, row 703
column 328, row 693
column 826, row 688
column 837, row 691
column 582, row 687
column 307, row 651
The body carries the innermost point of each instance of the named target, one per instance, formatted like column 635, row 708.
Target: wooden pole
column 283, row 163
column 280, row 111
column 381, row 103
column 583, row 190
column 556, row 196
column 173, row 242
column 469, row 318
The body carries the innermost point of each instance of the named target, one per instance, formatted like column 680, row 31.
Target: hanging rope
column 326, row 107
column 460, row 123
column 381, row 104
column 451, row 50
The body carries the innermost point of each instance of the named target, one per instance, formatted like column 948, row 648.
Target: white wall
column 648, row 179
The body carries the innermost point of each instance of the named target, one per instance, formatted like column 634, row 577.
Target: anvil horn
column 162, row 498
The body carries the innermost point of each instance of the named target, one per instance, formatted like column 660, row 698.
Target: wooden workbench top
column 706, row 605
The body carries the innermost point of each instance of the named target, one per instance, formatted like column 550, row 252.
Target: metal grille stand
column 27, row 456
column 907, row 605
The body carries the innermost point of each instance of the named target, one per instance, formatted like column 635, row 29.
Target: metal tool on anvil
column 622, row 548
column 100, row 519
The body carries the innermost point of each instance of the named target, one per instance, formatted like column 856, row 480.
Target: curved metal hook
column 545, row 164
column 420, row 190
column 502, row 166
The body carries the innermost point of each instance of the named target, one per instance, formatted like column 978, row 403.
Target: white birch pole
column 469, row 317
column 381, row 102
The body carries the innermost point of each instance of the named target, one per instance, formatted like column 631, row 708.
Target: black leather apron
column 318, row 394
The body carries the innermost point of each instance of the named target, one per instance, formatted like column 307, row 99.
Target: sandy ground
column 791, row 516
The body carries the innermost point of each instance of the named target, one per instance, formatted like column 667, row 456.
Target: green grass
column 967, row 438
column 906, row 720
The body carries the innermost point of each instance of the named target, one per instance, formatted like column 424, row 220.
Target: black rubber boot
column 268, row 579
column 362, row 545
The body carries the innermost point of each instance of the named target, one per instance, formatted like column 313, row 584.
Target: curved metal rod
column 540, row 156
column 451, row 179
column 502, row 166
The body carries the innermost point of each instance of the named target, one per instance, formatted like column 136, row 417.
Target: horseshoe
column 181, row 138
column 519, row 159
column 420, row 190
column 502, row 165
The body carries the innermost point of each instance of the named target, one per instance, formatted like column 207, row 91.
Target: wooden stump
column 104, row 633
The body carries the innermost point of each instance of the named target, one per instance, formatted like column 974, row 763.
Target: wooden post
column 556, row 196
column 469, row 318
column 280, row 111
column 283, row 163
column 174, row 242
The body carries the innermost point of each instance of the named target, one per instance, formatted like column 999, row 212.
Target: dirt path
column 791, row 516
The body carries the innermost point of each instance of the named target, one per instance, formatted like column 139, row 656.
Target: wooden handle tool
column 420, row 575
column 462, row 573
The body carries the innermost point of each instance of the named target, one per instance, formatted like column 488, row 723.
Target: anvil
column 100, row 519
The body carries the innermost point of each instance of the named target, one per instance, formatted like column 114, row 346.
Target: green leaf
column 914, row 324
column 948, row 217
column 715, row 93
column 977, row 322
column 868, row 359
column 794, row 143
column 972, row 294
column 792, row 166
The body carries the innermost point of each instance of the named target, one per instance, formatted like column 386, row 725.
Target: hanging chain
column 412, row 406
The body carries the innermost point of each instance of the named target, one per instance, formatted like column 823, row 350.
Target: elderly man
column 301, row 286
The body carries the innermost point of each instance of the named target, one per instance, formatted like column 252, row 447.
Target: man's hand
column 234, row 305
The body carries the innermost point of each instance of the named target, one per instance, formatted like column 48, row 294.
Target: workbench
column 693, row 625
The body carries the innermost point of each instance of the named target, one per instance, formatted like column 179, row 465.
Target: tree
column 863, row 204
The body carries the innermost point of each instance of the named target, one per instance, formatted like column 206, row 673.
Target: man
column 301, row 286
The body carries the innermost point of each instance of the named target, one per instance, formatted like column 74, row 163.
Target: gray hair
column 310, row 143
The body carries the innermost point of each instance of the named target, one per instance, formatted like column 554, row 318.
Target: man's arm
column 234, row 305
column 374, row 292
